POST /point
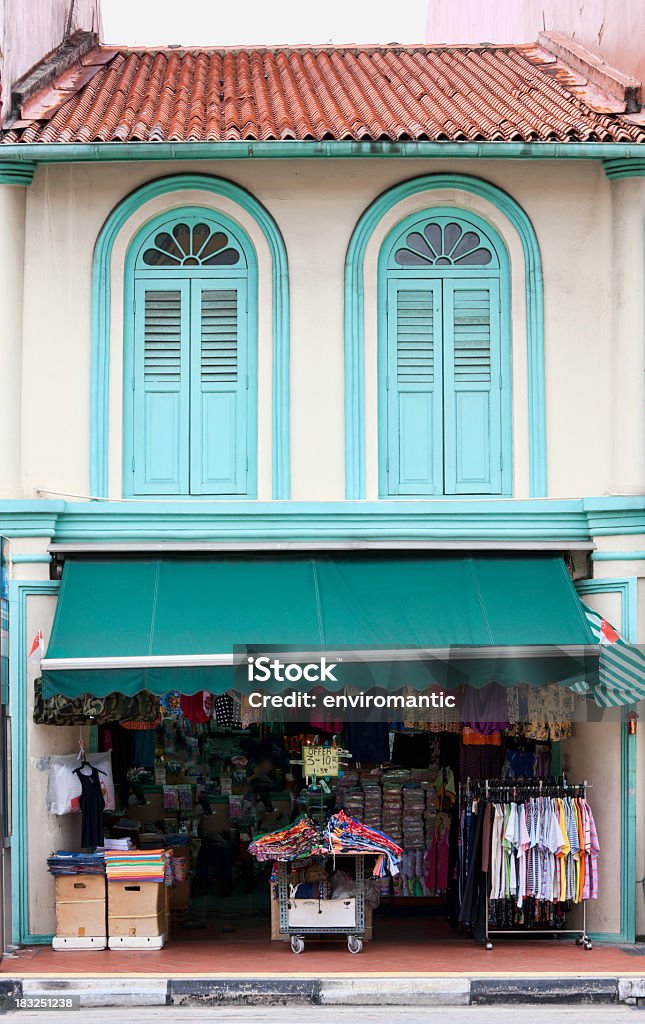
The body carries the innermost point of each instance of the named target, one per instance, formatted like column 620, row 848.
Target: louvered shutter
column 472, row 387
column 219, row 382
column 414, row 401
column 160, row 384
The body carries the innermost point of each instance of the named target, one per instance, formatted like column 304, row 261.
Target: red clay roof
column 487, row 93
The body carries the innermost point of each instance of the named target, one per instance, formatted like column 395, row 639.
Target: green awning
column 164, row 624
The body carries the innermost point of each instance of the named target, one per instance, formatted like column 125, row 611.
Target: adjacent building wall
column 615, row 28
column 30, row 29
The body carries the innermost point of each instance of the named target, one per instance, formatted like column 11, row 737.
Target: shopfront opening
column 147, row 651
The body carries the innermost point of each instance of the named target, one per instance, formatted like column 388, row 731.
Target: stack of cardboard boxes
column 80, row 912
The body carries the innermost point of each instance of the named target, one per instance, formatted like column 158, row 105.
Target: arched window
column 444, row 358
column 190, row 359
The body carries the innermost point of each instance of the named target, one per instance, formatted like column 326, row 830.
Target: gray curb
column 341, row 990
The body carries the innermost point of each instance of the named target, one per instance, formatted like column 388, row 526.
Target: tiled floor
column 410, row 945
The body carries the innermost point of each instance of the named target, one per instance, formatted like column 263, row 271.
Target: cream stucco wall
column 45, row 832
column 316, row 206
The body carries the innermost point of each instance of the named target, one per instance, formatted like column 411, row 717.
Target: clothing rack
column 516, row 791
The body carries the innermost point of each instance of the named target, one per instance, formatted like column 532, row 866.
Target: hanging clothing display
column 531, row 850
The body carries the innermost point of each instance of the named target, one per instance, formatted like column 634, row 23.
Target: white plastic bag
column 64, row 787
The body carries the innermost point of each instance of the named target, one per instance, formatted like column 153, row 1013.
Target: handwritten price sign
column 320, row 760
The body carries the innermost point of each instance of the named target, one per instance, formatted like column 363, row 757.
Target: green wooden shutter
column 160, row 385
column 472, row 387
column 219, row 383
column 414, row 399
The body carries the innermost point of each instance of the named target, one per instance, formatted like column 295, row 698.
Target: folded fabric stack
column 135, row 865
column 414, row 803
column 346, row 835
column 65, row 863
column 349, row 780
column 393, row 810
column 373, row 813
column 354, row 802
column 117, row 844
column 302, row 839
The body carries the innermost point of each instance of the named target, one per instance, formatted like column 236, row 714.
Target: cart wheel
column 488, row 944
column 579, row 941
column 354, row 944
column 297, row 944
column 588, row 944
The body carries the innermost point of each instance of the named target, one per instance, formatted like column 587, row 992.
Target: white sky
column 263, row 22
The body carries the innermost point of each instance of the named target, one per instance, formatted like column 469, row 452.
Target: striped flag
column 621, row 667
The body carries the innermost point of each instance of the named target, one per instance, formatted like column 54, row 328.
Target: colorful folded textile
column 302, row 839
column 66, row 863
column 346, row 835
column 135, row 865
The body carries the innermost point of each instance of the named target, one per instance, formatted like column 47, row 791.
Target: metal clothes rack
column 516, row 791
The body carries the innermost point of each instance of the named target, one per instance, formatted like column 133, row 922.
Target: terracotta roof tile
column 486, row 93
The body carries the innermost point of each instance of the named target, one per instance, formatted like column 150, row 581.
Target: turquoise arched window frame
column 496, row 268
column 355, row 324
column 101, row 303
column 240, row 269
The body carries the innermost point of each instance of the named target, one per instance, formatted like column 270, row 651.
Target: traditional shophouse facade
column 296, row 211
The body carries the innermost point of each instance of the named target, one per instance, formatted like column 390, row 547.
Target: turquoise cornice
column 483, row 521
column 354, row 319
column 630, row 167
column 101, row 285
column 14, row 173
column 109, row 152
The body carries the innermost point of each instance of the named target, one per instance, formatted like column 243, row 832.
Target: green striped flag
column 621, row 667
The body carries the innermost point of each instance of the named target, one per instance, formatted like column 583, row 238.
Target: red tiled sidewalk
column 409, row 947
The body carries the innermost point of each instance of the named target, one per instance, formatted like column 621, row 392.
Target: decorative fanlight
column 443, row 246
column 197, row 246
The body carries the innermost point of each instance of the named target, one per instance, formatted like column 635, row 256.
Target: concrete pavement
column 334, row 1015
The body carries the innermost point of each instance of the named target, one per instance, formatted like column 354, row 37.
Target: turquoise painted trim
column 28, row 558
column 134, row 273
column 110, row 152
column 19, row 591
column 627, row 587
column 633, row 167
column 483, row 519
column 12, row 173
column 618, row 556
column 100, row 360
column 355, row 326
column 385, row 273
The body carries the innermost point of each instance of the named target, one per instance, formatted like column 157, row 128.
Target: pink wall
column 615, row 28
column 30, row 29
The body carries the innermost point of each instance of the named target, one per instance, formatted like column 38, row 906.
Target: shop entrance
column 200, row 776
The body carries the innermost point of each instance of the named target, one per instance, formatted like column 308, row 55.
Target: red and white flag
column 37, row 649
column 608, row 635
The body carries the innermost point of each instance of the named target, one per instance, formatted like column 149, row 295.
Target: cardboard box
column 135, row 899
column 271, row 821
column 73, row 888
column 82, row 919
column 137, row 927
column 218, row 821
column 180, row 895
column 152, row 810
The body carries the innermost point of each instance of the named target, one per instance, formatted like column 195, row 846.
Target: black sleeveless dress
column 91, row 804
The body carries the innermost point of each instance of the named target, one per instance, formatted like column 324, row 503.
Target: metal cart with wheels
column 300, row 918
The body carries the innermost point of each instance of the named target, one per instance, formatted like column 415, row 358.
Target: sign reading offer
column 320, row 760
